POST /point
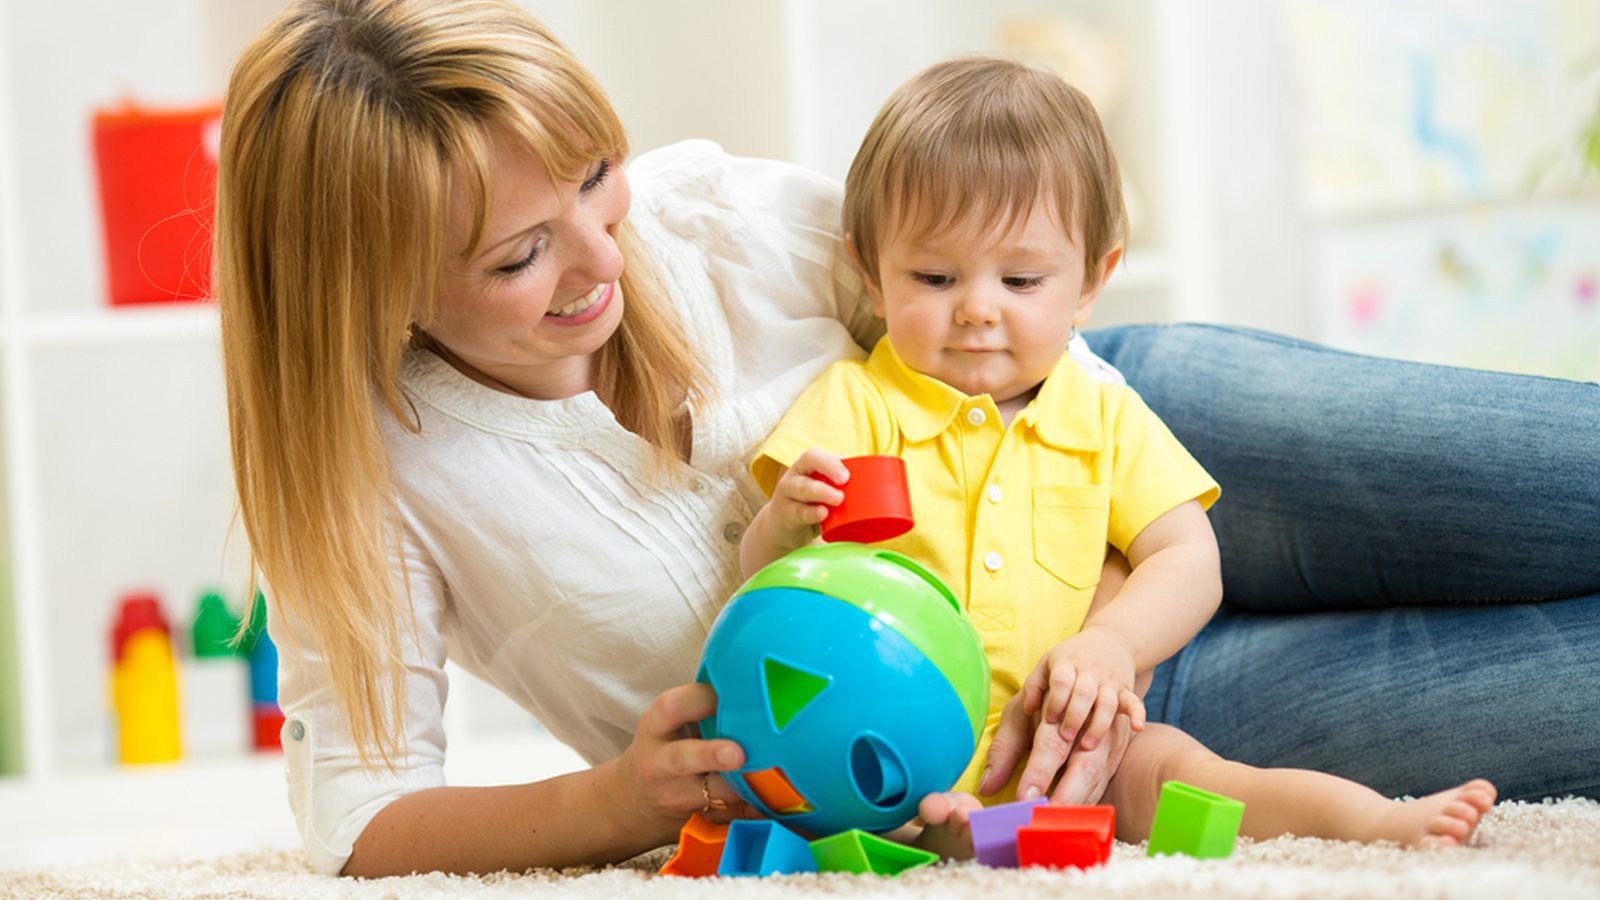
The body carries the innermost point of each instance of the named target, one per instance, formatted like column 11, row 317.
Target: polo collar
column 924, row 406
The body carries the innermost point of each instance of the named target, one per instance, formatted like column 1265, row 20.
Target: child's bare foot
column 1445, row 819
column 947, row 826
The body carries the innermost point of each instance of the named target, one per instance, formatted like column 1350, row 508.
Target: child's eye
column 1020, row 282
column 533, row 255
column 602, row 169
column 932, row 279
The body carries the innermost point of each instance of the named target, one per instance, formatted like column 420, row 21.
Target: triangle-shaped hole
column 790, row 690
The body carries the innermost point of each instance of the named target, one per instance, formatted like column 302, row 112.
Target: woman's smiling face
column 539, row 296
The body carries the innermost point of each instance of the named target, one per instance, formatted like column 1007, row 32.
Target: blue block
column 763, row 847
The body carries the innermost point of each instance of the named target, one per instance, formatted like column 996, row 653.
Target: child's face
column 987, row 311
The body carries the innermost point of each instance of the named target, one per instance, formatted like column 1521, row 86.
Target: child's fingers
column 804, row 489
column 1035, row 687
column 1063, row 681
column 1084, row 694
column 1105, row 710
column 820, row 462
column 1132, row 704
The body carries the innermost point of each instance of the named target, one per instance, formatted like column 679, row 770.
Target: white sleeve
column 332, row 796
column 703, row 194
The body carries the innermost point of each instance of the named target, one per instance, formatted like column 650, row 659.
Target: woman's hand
column 665, row 777
column 1021, row 736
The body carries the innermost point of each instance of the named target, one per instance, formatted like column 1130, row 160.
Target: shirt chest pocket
column 1069, row 531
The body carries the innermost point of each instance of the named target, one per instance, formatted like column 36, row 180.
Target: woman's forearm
column 563, row 821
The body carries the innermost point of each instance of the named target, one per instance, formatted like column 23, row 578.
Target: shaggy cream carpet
column 1549, row 849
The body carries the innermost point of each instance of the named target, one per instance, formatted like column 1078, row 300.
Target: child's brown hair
column 980, row 140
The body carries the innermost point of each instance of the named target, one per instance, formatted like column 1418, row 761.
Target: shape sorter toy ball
column 854, row 683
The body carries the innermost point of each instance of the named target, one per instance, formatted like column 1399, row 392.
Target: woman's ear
column 1093, row 287
column 873, row 288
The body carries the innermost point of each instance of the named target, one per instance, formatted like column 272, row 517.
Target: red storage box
column 158, row 179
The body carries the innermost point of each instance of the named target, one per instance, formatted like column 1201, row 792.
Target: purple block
column 994, row 831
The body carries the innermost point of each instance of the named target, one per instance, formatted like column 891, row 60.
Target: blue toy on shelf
column 854, row 683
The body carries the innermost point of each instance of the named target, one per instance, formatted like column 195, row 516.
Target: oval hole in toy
column 878, row 772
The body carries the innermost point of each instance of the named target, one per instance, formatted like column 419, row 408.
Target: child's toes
column 1454, row 822
column 1480, row 793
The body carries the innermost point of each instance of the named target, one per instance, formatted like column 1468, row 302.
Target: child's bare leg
column 1288, row 801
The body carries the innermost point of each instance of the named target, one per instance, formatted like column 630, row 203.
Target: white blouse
column 540, row 556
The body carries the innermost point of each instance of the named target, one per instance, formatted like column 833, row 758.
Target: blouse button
column 732, row 531
column 994, row 493
column 698, row 485
column 991, row 561
column 296, row 729
column 976, row 416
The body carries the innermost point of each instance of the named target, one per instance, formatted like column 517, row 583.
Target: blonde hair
column 981, row 140
column 347, row 125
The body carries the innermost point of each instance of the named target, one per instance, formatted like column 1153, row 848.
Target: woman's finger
column 1012, row 739
column 676, row 707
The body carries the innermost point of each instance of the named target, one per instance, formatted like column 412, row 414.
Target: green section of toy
column 904, row 596
column 214, row 627
column 1194, row 822
column 864, row 853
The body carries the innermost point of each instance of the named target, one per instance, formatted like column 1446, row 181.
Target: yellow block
column 145, row 694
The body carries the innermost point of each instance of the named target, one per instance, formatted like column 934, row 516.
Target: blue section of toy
column 844, row 723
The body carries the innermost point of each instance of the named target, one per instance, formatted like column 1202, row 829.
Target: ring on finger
column 712, row 803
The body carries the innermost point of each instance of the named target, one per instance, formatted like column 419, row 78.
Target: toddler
column 984, row 212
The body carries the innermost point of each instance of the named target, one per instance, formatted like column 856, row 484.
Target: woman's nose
column 596, row 259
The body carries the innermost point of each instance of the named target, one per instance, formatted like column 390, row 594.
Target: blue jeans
column 1410, row 560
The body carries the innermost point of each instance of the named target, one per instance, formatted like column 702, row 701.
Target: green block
column 1195, row 822
column 865, row 853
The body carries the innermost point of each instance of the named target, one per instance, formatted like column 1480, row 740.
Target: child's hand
column 1082, row 684
column 800, row 502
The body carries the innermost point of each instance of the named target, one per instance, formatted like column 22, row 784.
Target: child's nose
column 977, row 307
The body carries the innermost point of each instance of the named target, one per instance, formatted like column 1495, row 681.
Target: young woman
column 491, row 394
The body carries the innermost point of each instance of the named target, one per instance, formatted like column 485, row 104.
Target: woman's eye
column 602, row 169
column 533, row 255
column 931, row 279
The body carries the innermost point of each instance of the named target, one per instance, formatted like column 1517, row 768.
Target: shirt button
column 698, row 485
column 994, row 493
column 296, row 729
column 732, row 531
column 976, row 416
column 991, row 561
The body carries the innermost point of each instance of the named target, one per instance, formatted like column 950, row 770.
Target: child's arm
column 1172, row 591
column 799, row 502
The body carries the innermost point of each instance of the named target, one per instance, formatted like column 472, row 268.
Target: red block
column 268, row 722
column 158, row 179
column 1062, row 836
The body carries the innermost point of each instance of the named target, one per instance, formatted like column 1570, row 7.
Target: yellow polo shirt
column 1015, row 519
